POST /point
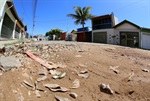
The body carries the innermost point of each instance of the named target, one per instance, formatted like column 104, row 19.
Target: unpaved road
column 129, row 83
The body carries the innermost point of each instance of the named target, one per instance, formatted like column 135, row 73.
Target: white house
column 106, row 29
column 11, row 26
column 102, row 29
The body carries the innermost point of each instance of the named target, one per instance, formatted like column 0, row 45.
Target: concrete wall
column 127, row 28
column 110, row 35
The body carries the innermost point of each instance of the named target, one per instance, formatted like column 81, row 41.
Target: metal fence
column 17, row 35
column 6, row 32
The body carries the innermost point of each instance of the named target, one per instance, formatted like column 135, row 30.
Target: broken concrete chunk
column 145, row 70
column 28, row 85
column 10, row 62
column 43, row 72
column 37, row 94
column 54, row 72
column 42, row 78
column 56, row 88
column 73, row 95
column 130, row 76
column 106, row 89
column 83, row 74
column 59, row 76
column 114, row 69
column 76, row 83
column 59, row 98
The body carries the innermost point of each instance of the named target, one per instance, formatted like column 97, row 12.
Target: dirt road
column 124, row 69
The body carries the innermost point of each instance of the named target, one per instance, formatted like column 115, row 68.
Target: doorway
column 130, row 39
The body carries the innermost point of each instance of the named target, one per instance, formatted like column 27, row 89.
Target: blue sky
column 52, row 14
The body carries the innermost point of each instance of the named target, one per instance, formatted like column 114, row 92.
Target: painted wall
column 146, row 42
column 112, row 38
column 127, row 28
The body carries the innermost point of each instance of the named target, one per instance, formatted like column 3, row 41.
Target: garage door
column 146, row 41
column 100, row 37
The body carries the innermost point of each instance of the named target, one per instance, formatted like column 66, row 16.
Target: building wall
column 17, row 27
column 127, row 28
column 110, row 35
column 145, row 40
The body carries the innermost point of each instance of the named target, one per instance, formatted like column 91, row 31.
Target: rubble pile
column 70, row 72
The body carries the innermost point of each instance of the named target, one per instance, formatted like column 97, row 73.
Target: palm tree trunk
column 83, row 32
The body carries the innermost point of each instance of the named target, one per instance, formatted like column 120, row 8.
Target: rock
column 56, row 88
column 83, row 74
column 59, row 76
column 130, row 76
column 58, row 98
column 76, row 84
column 73, row 95
column 42, row 78
column 114, row 69
column 54, row 72
column 106, row 89
column 145, row 70
column 28, row 85
column 7, row 63
column 43, row 72
column 37, row 94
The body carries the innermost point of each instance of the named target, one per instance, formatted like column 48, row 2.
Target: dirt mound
column 81, row 72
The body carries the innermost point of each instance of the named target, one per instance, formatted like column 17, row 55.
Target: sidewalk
column 8, row 41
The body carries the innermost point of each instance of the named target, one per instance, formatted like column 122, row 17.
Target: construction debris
column 76, row 83
column 9, row 62
column 83, row 74
column 105, row 88
column 145, row 70
column 56, row 88
column 28, row 85
column 114, row 69
column 59, row 76
column 54, row 72
column 42, row 78
column 73, row 95
column 39, row 60
column 43, row 72
column 59, row 98
column 37, row 94
column 130, row 76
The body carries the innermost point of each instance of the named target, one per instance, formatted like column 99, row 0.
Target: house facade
column 106, row 29
column 11, row 26
column 102, row 29
column 145, row 38
column 129, row 34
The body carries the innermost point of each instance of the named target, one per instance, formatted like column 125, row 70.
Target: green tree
column 55, row 31
column 81, row 16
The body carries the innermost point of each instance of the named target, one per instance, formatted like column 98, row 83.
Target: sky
column 52, row 14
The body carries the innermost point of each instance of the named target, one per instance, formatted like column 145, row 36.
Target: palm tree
column 81, row 15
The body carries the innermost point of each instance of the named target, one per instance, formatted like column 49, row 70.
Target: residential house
column 102, row 28
column 11, row 26
column 106, row 29
column 40, row 37
column 145, row 38
column 84, row 35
